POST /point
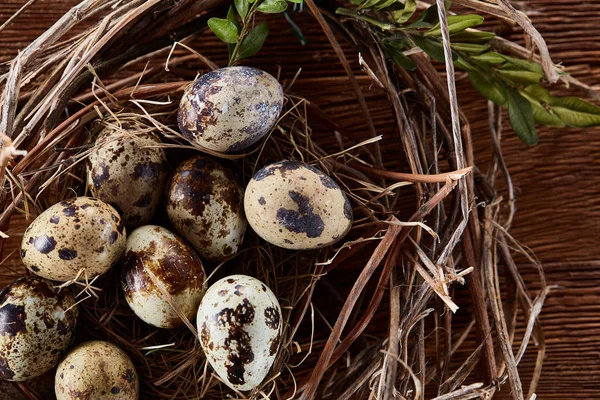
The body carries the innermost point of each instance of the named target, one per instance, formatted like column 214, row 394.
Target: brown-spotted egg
column 240, row 327
column 230, row 108
column 82, row 233
column 96, row 371
column 37, row 323
column 205, row 204
column 155, row 258
column 129, row 173
column 295, row 206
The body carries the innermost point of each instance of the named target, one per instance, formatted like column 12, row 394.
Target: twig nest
column 77, row 234
column 129, row 173
column 204, row 203
column 296, row 206
column 160, row 269
column 96, row 370
column 230, row 108
column 37, row 324
column 240, row 328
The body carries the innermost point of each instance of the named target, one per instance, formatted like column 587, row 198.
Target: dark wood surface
column 558, row 181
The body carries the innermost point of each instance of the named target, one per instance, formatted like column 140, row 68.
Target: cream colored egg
column 129, row 173
column 205, row 204
column 296, row 206
column 96, row 370
column 37, row 324
column 240, row 327
column 80, row 234
column 230, row 108
column 155, row 258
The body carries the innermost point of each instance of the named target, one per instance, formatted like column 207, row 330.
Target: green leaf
column 524, row 65
column 456, row 23
column 463, row 64
column 253, row 42
column 576, row 112
column 525, row 77
column 384, row 4
column 232, row 16
column 351, row 13
column 242, row 7
column 520, row 114
column 490, row 57
column 430, row 15
column 470, row 48
column 431, row 47
column 272, row 6
column 296, row 1
column 473, row 37
column 401, row 16
column 368, row 4
column 538, row 92
column 541, row 114
column 490, row 89
column 399, row 58
column 224, row 29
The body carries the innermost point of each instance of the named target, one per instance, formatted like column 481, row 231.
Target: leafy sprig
column 507, row 81
column 245, row 39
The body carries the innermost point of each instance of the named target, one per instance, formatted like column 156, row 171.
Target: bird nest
column 370, row 316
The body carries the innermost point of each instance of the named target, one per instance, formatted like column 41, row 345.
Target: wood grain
column 558, row 181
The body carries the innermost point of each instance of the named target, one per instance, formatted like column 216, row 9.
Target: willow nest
column 370, row 317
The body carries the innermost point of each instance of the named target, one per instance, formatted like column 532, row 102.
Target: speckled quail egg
column 205, row 204
column 75, row 234
column 155, row 258
column 240, row 329
column 97, row 371
column 37, row 324
column 230, row 108
column 296, row 206
column 129, row 174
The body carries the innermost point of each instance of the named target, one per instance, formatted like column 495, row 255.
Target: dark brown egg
column 37, row 324
column 156, row 257
column 205, row 204
column 129, row 173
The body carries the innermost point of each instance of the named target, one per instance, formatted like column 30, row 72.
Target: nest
column 370, row 317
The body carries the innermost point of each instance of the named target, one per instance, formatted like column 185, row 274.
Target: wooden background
column 558, row 181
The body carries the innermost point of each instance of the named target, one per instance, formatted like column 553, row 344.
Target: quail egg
column 156, row 257
column 296, row 206
column 230, row 108
column 204, row 203
column 82, row 233
column 129, row 173
column 37, row 324
column 97, row 371
column 240, row 329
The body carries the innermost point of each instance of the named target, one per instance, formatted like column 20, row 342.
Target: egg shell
column 128, row 174
column 230, row 108
column 96, row 371
column 240, row 327
column 79, row 233
column 296, row 206
column 154, row 252
column 37, row 324
column 205, row 204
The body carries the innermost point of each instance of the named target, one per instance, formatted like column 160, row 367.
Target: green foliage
column 510, row 82
column 243, row 37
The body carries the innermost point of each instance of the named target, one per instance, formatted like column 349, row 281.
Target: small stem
column 245, row 23
column 351, row 13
